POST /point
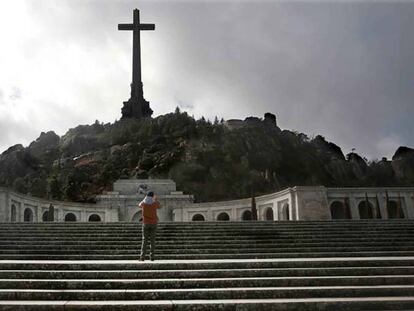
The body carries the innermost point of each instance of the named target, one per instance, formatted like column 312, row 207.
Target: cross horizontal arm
column 131, row 26
column 125, row 27
column 147, row 26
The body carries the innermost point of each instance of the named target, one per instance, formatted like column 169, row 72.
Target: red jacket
column 149, row 212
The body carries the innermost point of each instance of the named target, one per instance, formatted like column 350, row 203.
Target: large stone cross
column 136, row 106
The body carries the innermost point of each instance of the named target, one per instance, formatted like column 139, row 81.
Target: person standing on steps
column 149, row 208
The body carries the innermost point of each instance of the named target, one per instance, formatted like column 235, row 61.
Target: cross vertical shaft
column 136, row 54
column 136, row 107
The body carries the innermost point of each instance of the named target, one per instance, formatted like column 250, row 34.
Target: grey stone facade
column 128, row 192
column 309, row 203
column 296, row 203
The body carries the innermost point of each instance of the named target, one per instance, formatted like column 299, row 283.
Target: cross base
column 136, row 108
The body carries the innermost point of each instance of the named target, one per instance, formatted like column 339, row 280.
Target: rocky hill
column 213, row 161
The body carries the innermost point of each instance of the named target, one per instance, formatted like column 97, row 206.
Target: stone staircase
column 341, row 265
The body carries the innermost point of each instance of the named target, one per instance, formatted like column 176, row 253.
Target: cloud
column 387, row 143
column 16, row 93
column 342, row 70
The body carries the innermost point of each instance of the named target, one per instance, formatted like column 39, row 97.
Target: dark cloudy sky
column 342, row 69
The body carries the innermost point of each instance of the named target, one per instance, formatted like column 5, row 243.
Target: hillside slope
column 209, row 160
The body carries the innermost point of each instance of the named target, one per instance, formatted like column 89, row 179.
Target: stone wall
column 311, row 203
column 303, row 203
column 296, row 203
column 279, row 203
column 403, row 196
column 142, row 186
column 36, row 207
column 127, row 205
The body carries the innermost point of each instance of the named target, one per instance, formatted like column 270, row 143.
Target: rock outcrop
column 403, row 164
column 213, row 161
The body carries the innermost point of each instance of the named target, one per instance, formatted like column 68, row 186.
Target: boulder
column 45, row 144
column 403, row 163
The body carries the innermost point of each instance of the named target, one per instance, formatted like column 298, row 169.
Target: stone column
column 19, row 212
column 209, row 214
column 4, row 206
column 233, row 216
column 38, row 213
column 83, row 216
column 56, row 213
column 383, row 206
column 115, row 214
column 353, row 207
column 276, row 211
column 178, row 214
column 293, row 206
column 60, row 214
column 107, row 215
column 408, row 199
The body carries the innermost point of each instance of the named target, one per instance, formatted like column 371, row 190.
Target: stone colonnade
column 291, row 204
column 308, row 203
column 276, row 206
column 371, row 203
column 16, row 207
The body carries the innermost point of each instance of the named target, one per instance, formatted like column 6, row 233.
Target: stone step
column 207, row 264
column 320, row 304
column 250, row 230
column 208, row 293
column 304, row 266
column 212, row 251
column 205, row 273
column 206, row 282
column 224, row 245
column 213, row 229
column 237, row 244
column 206, row 256
column 213, row 223
column 253, row 236
column 187, row 248
column 210, row 233
column 117, row 241
column 338, row 222
column 202, row 233
column 202, row 251
column 208, row 229
column 291, row 227
column 163, row 245
column 123, row 228
column 203, row 237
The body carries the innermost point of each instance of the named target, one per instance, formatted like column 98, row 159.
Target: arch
column 70, row 217
column 223, row 216
column 198, row 217
column 394, row 210
column 247, row 215
column 340, row 211
column 28, row 215
column 137, row 217
column 269, row 214
column 13, row 213
column 366, row 210
column 284, row 212
column 94, row 218
column 45, row 216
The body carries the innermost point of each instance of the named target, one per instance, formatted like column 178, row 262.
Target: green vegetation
column 206, row 159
